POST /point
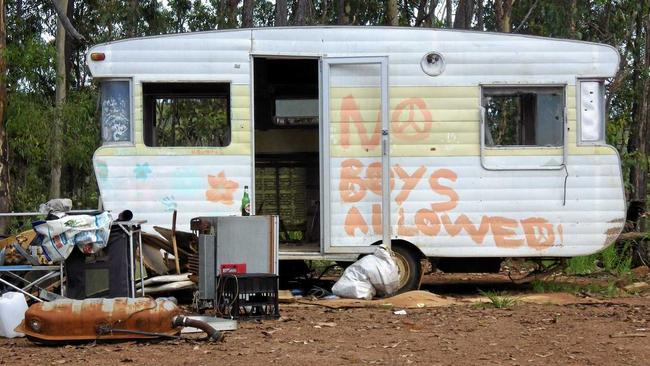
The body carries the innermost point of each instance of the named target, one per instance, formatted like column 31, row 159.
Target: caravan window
column 184, row 114
column 116, row 111
column 522, row 116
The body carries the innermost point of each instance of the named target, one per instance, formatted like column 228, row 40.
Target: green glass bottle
column 245, row 203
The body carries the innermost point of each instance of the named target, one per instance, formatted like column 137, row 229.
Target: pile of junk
column 93, row 275
column 80, row 276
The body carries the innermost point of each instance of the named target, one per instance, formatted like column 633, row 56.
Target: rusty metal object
column 100, row 319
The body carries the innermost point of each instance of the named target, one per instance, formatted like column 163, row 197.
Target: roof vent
column 433, row 64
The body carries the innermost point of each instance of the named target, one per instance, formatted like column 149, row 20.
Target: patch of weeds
column 498, row 300
column 582, row 265
column 542, row 287
column 615, row 260
column 609, row 290
column 593, row 289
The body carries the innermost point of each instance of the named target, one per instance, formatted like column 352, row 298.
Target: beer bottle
column 245, row 203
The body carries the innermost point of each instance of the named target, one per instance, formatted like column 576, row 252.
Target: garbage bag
column 58, row 206
column 375, row 274
column 88, row 233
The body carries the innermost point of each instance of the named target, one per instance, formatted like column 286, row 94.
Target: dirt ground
column 600, row 332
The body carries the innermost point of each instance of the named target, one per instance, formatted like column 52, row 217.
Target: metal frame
column 130, row 228
column 51, row 273
column 482, row 127
column 603, row 113
column 138, row 81
column 326, row 62
column 132, row 140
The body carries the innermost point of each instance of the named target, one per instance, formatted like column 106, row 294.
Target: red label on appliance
column 233, row 268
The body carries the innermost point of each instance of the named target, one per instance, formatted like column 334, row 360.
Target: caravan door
column 355, row 154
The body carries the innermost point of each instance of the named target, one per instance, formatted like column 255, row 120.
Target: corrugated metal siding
column 206, row 56
column 471, row 58
column 153, row 186
column 594, row 206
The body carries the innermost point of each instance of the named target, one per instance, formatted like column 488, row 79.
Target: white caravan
column 446, row 144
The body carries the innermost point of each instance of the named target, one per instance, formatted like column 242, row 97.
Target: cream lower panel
column 154, row 186
column 452, row 207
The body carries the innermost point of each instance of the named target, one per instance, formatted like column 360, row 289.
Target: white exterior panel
column 435, row 161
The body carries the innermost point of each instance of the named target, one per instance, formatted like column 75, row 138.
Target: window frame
column 131, row 141
column 196, row 95
column 483, row 112
column 603, row 113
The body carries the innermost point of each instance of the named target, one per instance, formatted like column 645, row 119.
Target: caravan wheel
column 410, row 270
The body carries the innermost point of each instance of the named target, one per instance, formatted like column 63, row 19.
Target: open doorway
column 287, row 173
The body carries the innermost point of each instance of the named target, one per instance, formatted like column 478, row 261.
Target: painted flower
column 142, row 171
column 221, row 189
column 170, row 203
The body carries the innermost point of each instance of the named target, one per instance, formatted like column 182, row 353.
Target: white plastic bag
column 89, row 233
column 373, row 274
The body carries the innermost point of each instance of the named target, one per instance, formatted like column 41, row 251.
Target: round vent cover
column 433, row 64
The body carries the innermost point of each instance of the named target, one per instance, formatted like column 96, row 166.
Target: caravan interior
column 287, row 179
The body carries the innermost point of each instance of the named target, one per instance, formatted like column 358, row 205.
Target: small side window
column 116, row 111
column 592, row 112
column 523, row 116
column 184, row 114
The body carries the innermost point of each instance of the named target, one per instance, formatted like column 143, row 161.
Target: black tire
column 409, row 266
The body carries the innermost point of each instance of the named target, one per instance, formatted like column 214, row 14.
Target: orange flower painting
column 221, row 189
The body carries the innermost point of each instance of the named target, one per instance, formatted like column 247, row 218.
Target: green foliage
column 617, row 261
column 593, row 289
column 192, row 122
column 498, row 300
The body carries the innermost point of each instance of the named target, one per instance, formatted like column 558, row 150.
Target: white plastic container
column 12, row 311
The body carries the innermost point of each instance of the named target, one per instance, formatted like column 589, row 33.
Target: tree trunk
column 4, row 153
column 247, row 16
column 324, row 9
column 391, row 13
column 573, row 13
column 228, row 14
column 59, row 100
column 431, row 16
column 63, row 19
column 280, row 13
column 638, row 145
column 132, row 29
column 343, row 12
column 464, row 14
column 479, row 15
column 448, row 8
column 303, row 12
column 503, row 12
column 69, row 47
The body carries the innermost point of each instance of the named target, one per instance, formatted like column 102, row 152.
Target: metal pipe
column 184, row 321
column 20, row 290
column 141, row 261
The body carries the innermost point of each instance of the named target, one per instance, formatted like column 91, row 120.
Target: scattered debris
column 400, row 312
column 628, row 335
column 637, row 286
column 286, row 297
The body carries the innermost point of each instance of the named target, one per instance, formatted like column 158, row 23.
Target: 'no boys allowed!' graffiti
column 357, row 181
column 410, row 121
